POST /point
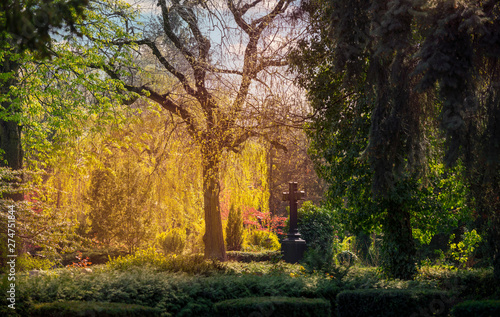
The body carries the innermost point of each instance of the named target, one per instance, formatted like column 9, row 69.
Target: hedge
column 253, row 256
column 273, row 307
column 386, row 302
column 94, row 309
column 482, row 308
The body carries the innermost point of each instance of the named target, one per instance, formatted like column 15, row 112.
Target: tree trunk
column 398, row 243
column 10, row 130
column 213, row 238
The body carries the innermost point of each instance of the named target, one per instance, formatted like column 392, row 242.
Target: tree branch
column 163, row 100
column 167, row 28
column 238, row 16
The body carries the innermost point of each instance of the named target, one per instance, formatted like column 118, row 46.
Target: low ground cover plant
column 484, row 308
column 188, row 293
column 273, row 306
column 91, row 309
column 393, row 302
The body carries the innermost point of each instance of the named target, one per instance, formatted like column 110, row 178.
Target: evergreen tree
column 234, row 229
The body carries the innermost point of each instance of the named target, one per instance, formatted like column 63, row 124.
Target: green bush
column 92, row 309
column 273, row 306
column 315, row 261
column 193, row 264
column 172, row 241
column 142, row 258
column 259, row 239
column 316, row 226
column 234, row 229
column 483, row 308
column 347, row 258
column 467, row 284
column 20, row 303
column 386, row 302
column 174, row 294
column 253, row 256
column 149, row 258
column 27, row 262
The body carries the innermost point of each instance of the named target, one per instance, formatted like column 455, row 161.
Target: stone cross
column 293, row 195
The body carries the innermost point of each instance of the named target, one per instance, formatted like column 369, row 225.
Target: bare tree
column 224, row 56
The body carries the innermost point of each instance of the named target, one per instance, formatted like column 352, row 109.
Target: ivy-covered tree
column 362, row 105
column 409, row 66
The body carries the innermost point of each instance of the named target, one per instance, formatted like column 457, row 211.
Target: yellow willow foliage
column 245, row 178
column 170, row 171
column 171, row 168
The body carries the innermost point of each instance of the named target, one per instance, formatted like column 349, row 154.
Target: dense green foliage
column 246, row 257
column 273, row 306
column 317, row 226
column 404, row 303
column 178, row 295
column 92, row 309
column 383, row 77
column 29, row 24
column 22, row 301
column 194, row 294
column 192, row 264
column 485, row 308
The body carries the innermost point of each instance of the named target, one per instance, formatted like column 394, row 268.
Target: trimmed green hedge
column 253, row 256
column 386, row 302
column 481, row 308
column 273, row 307
column 94, row 309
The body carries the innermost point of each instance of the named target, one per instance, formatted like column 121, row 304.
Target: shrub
column 347, row 258
column 468, row 284
column 192, row 264
column 259, row 239
column 315, row 262
column 21, row 302
column 27, row 262
column 91, row 309
column 483, row 308
column 172, row 241
column 273, row 306
column 234, row 229
column 316, row 225
column 142, row 258
column 386, row 302
column 464, row 250
column 253, row 256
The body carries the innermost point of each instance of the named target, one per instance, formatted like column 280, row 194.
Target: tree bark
column 398, row 245
column 10, row 130
column 213, row 238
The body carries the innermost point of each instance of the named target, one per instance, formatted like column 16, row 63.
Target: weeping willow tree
column 418, row 65
column 238, row 61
